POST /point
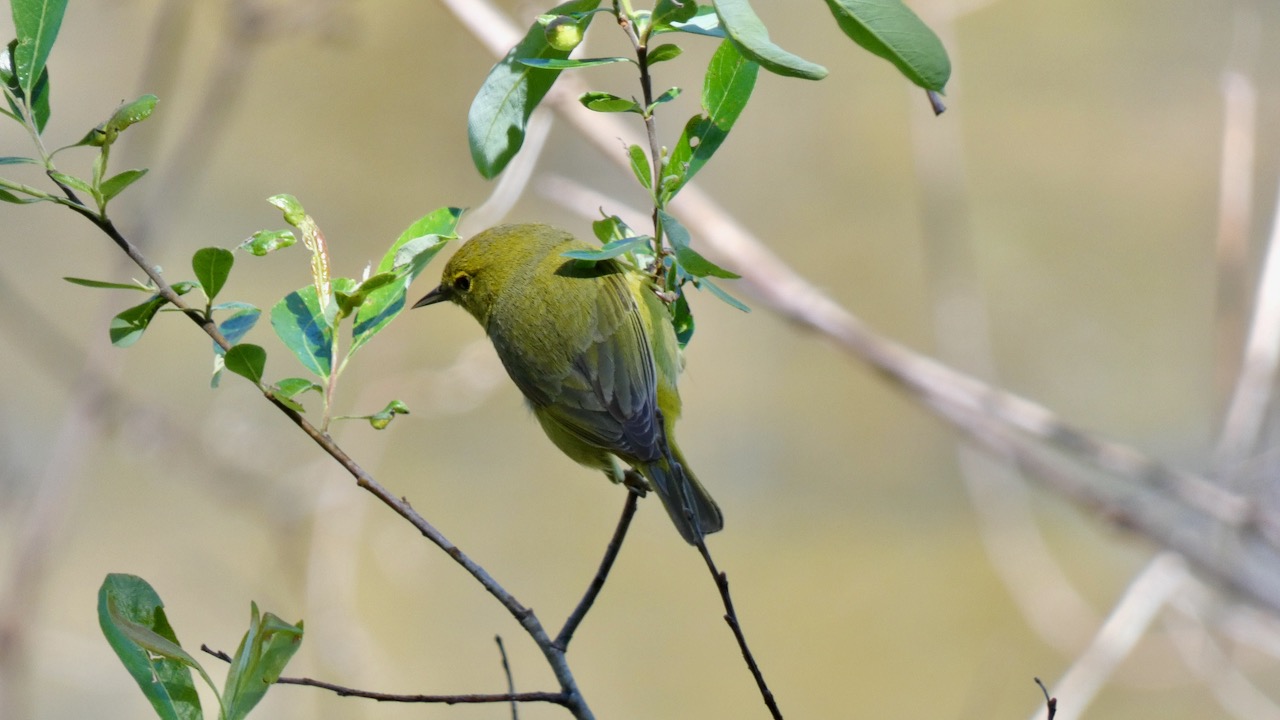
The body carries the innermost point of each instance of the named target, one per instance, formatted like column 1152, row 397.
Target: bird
column 592, row 348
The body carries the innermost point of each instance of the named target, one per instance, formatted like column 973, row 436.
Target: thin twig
column 1050, row 702
column 560, row 698
column 597, row 583
column 511, row 683
column 731, row 617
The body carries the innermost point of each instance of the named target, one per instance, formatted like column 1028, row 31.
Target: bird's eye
column 462, row 283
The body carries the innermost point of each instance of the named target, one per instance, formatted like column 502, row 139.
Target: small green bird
column 592, row 349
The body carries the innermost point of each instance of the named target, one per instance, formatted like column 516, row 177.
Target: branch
column 731, row 617
column 560, row 698
column 525, row 616
column 597, row 583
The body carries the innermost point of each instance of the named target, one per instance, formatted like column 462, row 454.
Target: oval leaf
column 248, row 361
column 889, row 29
column 212, row 265
column 748, row 32
column 238, row 324
column 640, row 166
column 663, row 53
column 113, row 186
column 267, row 241
column 300, row 324
column 608, row 103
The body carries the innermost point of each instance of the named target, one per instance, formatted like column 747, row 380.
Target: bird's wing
column 606, row 393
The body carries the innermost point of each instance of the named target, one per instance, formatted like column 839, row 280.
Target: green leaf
column 441, row 223
column 612, row 228
column 729, row 81
column 285, row 390
column 238, row 324
column 39, row 102
column 705, row 22
column 889, row 29
column 294, row 214
column 609, row 103
column 131, row 113
column 666, row 52
column 18, row 161
column 6, row 196
column 566, row 64
column 610, row 250
column 267, row 241
column 381, row 419
column 107, row 285
column 37, row 23
column 127, row 327
column 300, row 324
column 725, row 296
column 748, row 32
column 666, row 12
column 212, row 265
column 113, row 186
column 72, row 182
column 291, row 387
column 500, row 111
column 266, row 648
column 407, row 257
column 349, row 301
column 127, row 114
column 9, row 79
column 668, row 96
column 688, row 258
column 682, row 320
column 640, row 166
column 129, row 610
column 248, row 361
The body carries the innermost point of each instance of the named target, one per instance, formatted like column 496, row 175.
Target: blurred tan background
column 1088, row 136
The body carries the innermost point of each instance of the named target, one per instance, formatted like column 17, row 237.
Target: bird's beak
column 439, row 294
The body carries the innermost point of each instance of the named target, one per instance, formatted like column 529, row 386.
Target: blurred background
column 1071, row 200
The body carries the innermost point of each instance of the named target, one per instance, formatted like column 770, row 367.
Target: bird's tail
column 688, row 503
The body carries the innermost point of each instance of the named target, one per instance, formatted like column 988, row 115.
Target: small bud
column 563, row 33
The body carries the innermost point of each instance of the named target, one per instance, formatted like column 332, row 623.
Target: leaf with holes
column 729, row 81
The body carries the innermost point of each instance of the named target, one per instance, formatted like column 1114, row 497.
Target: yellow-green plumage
column 593, row 351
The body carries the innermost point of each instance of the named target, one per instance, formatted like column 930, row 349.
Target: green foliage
column 133, row 620
column 247, row 360
column 517, row 84
column 212, row 265
column 726, row 89
column 265, row 649
column 500, row 112
column 889, row 29
column 37, row 23
column 749, row 34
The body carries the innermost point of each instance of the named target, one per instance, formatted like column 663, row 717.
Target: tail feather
column 689, row 504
